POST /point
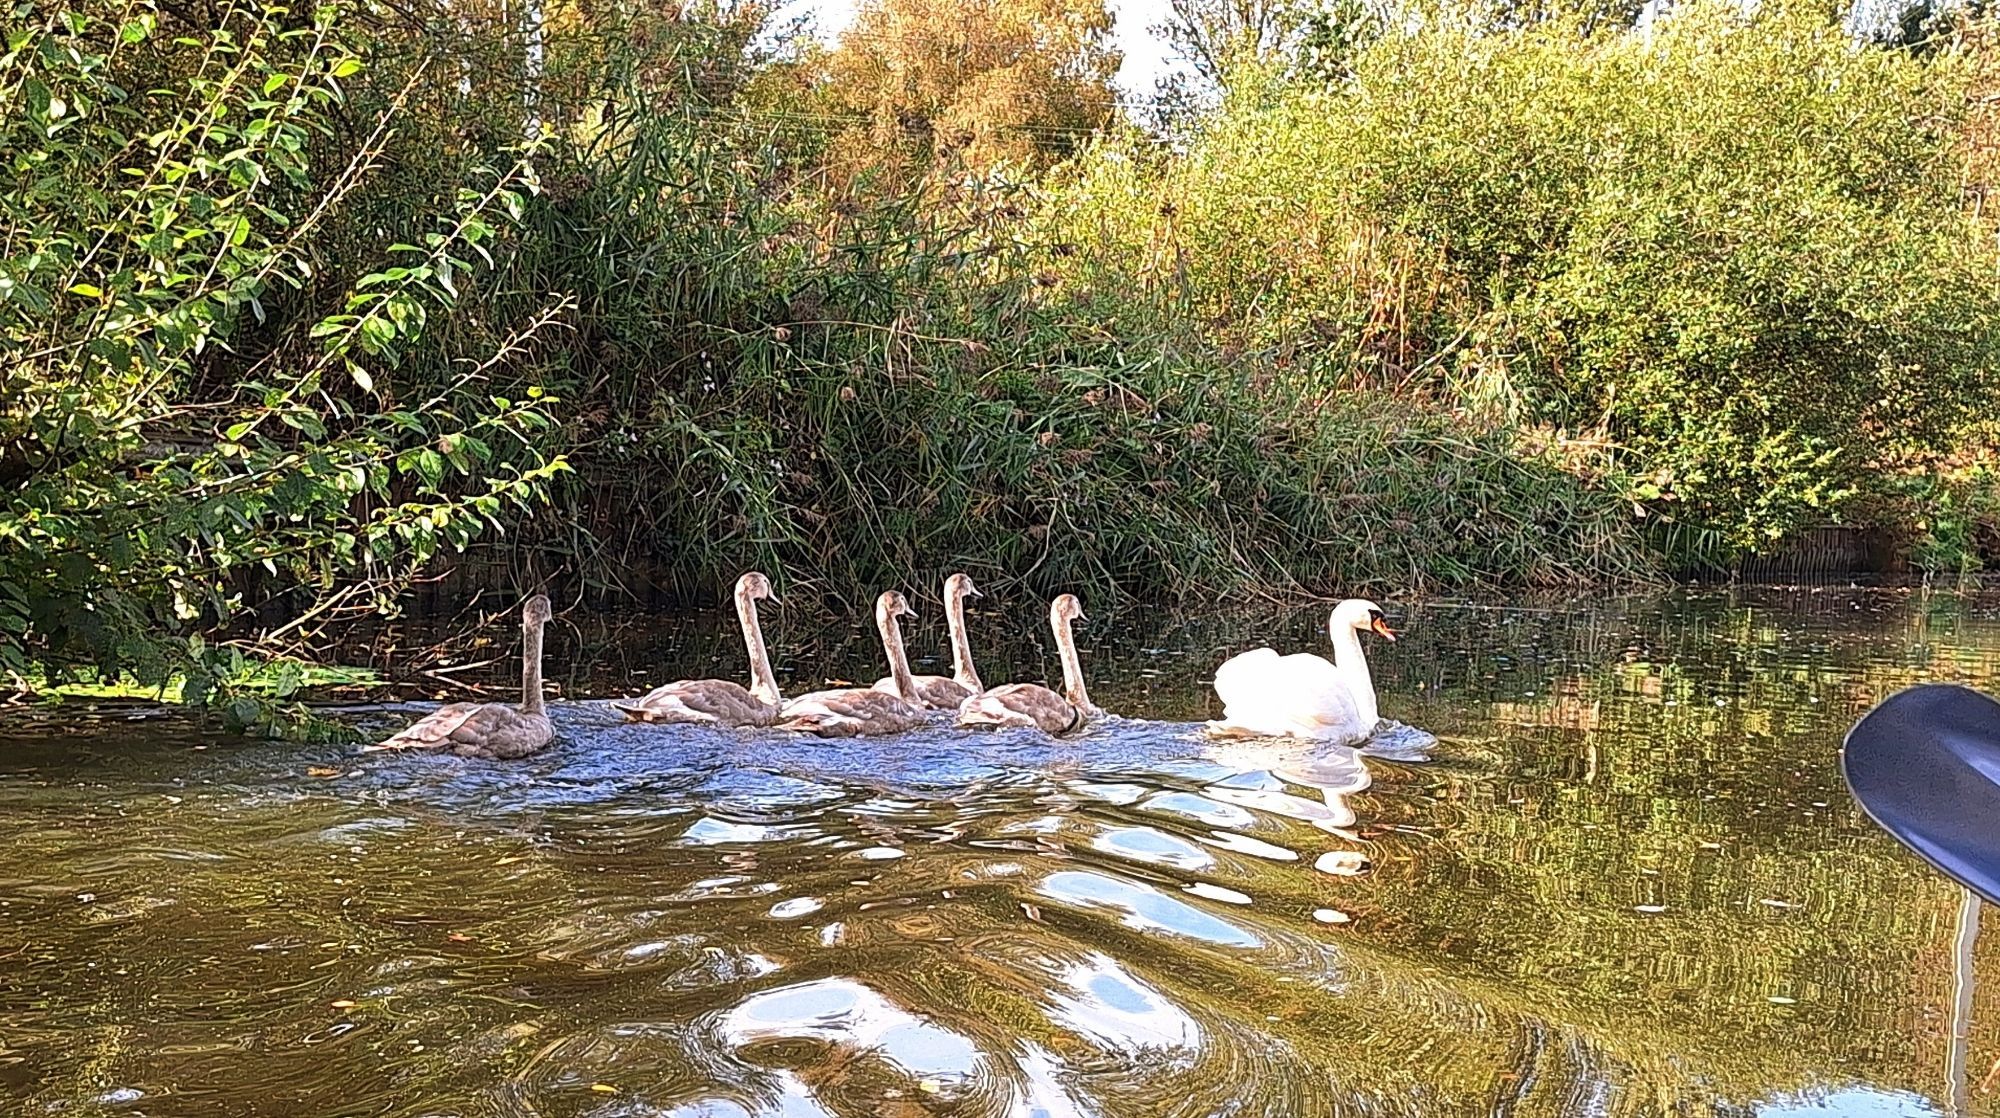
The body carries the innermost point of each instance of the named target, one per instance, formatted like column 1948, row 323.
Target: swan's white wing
column 1319, row 701
column 1301, row 695
column 1239, row 675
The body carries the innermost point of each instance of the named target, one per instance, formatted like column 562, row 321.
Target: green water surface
column 1629, row 883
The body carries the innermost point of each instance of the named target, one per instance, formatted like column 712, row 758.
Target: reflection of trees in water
column 1695, row 772
column 1672, row 755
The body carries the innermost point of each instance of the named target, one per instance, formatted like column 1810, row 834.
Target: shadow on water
column 1629, row 883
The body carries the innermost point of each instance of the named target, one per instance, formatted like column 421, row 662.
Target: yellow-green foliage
column 990, row 82
column 1735, row 247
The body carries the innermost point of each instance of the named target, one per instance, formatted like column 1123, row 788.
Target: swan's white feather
column 1301, row 695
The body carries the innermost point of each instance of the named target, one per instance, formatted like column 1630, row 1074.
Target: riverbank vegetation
column 296, row 305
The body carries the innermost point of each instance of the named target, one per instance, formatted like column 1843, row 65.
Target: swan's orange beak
column 1381, row 629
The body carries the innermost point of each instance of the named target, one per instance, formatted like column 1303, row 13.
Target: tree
column 985, row 82
column 1211, row 35
column 1317, row 40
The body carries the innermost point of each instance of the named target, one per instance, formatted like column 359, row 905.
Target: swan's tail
column 662, row 708
column 826, row 725
column 432, row 731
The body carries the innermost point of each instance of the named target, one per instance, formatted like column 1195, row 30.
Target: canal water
column 1627, row 881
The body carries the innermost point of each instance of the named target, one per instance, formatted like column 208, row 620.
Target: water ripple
column 1564, row 913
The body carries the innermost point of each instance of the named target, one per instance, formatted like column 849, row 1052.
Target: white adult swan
column 1268, row 695
column 941, row 692
column 1031, row 704
column 721, row 702
column 860, row 711
column 494, row 730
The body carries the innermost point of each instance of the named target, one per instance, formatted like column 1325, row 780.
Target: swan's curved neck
column 1352, row 668
column 763, row 682
column 961, row 645
column 899, row 661
column 1072, row 666
column 531, row 668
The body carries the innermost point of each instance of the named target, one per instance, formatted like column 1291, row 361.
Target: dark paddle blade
column 1925, row 764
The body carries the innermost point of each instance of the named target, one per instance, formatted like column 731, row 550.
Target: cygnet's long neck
column 763, row 682
column 961, row 645
column 1072, row 666
column 899, row 661
column 531, row 667
column 1352, row 667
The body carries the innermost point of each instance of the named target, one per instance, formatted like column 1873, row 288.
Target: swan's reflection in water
column 1261, row 774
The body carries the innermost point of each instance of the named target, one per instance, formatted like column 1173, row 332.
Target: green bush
column 1731, row 250
column 198, row 410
